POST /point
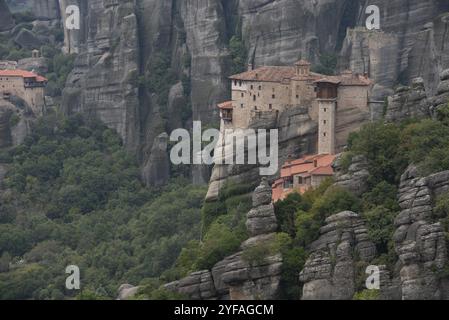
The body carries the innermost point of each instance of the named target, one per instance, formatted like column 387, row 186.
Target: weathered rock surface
column 16, row 119
column 297, row 136
column 6, row 19
column 419, row 241
column 127, row 291
column 27, row 39
column 329, row 272
column 156, row 171
column 355, row 179
column 410, row 43
column 441, row 99
column 234, row 277
column 103, row 83
column 46, row 9
column 195, row 35
column 408, row 102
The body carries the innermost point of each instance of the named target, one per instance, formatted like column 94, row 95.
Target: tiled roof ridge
column 22, row 73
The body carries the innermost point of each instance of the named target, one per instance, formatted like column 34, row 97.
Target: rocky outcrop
column 355, row 178
column 408, row 102
column 329, row 272
column 297, row 136
column 27, row 39
column 103, row 83
column 441, row 99
column 237, row 277
column 6, row 19
column 420, row 241
column 127, row 291
column 280, row 32
column 194, row 36
column 410, row 43
column 46, row 9
column 156, row 171
column 16, row 120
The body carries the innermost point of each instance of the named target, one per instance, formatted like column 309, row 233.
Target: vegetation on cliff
column 73, row 196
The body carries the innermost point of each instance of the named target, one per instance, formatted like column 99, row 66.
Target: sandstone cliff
column 193, row 36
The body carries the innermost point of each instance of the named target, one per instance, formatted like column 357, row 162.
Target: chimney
column 250, row 66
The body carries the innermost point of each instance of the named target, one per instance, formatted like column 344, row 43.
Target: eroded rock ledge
column 234, row 277
column 329, row 272
column 419, row 241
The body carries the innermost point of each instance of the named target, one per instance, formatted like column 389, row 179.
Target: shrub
column 367, row 295
column 219, row 242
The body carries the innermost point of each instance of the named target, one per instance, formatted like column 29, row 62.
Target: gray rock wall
column 420, row 241
column 330, row 270
column 6, row 20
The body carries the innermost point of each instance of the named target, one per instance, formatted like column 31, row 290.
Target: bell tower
column 302, row 68
column 327, row 103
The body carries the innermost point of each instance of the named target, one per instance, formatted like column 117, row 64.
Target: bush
column 367, row 295
column 380, row 224
column 286, row 212
column 219, row 242
column 238, row 54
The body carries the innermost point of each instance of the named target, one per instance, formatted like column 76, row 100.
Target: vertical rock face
column 15, row 121
column 205, row 27
column 408, row 102
column 329, row 272
column 355, row 179
column 46, row 9
column 410, row 43
column 156, row 171
column 280, row 32
column 235, row 277
column 441, row 99
column 103, row 83
column 6, row 20
column 419, row 242
column 119, row 39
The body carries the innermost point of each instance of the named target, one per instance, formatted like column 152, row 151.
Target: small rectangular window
column 270, row 106
column 273, row 96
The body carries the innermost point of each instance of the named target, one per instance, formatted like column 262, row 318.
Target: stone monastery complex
column 332, row 101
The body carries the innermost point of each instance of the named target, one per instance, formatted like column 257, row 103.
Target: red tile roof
column 22, row 73
column 225, row 105
column 266, row 73
column 306, row 165
column 302, row 62
column 282, row 73
column 312, row 165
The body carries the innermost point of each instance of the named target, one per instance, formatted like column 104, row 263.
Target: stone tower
column 327, row 104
